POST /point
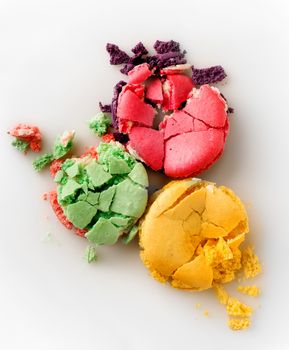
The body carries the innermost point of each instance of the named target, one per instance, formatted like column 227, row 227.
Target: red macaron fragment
column 154, row 90
column 142, row 139
column 139, row 74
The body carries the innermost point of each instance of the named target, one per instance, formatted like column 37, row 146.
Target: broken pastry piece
column 26, row 137
column 102, row 198
column 190, row 237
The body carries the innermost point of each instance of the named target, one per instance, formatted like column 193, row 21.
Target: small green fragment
column 97, row 174
column 139, row 175
column 73, row 170
column 63, row 144
column 130, row 199
column 118, row 166
column 100, row 123
column 131, row 235
column 106, row 151
column 82, row 197
column 105, row 199
column 42, row 161
column 90, row 254
column 103, row 232
column 92, row 197
column 120, row 222
column 80, row 213
column 69, row 188
column 58, row 176
column 20, row 145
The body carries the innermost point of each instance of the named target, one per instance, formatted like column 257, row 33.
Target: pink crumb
column 45, row 196
column 107, row 137
column 58, row 210
column 91, row 151
column 55, row 167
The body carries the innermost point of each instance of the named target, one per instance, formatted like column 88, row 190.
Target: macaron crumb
column 252, row 291
column 237, row 324
column 90, row 254
column 250, row 263
column 206, row 313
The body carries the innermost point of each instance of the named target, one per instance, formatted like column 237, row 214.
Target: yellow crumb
column 237, row 324
column 236, row 308
column 250, row 263
column 198, row 305
column 221, row 293
column 252, row 291
column 206, row 313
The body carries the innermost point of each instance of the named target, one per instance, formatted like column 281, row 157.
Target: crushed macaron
column 100, row 123
column 61, row 147
column 26, row 137
column 104, row 196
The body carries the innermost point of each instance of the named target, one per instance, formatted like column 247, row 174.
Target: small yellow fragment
column 236, row 308
column 252, row 291
column 206, row 313
column 250, row 262
column 237, row 324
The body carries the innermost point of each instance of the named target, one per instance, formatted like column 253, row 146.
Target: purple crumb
column 105, row 108
column 208, row 75
column 166, row 46
column 117, row 56
column 114, row 103
column 139, row 49
column 120, row 137
column 231, row 110
column 167, row 59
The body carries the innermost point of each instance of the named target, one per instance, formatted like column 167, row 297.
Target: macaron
column 175, row 119
column 191, row 234
column 102, row 197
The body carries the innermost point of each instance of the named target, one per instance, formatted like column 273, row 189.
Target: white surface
column 53, row 71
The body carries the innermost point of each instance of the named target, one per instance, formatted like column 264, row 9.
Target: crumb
column 252, row 291
column 90, row 254
column 206, row 313
column 236, row 308
column 250, row 263
column 45, row 196
column 237, row 324
column 221, row 293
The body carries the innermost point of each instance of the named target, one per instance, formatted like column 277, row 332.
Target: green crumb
column 109, row 153
column 105, row 199
column 59, row 176
column 90, row 254
column 131, row 235
column 139, row 175
column 63, row 144
column 92, row 198
column 73, row 170
column 130, row 199
column 42, row 161
column 80, row 213
column 69, row 189
column 100, row 123
column 97, row 174
column 103, row 232
column 20, row 145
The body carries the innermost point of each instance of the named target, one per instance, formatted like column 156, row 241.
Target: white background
column 53, row 71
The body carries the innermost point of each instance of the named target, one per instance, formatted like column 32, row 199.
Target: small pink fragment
column 177, row 88
column 45, row 196
column 107, row 137
column 138, row 89
column 149, row 145
column 139, row 74
column 193, row 152
column 177, row 123
column 55, row 166
column 132, row 108
column 154, row 91
column 207, row 105
column 28, row 133
column 80, row 232
column 91, row 151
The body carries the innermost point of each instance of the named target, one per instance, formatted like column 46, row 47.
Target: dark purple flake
column 166, row 46
column 231, row 110
column 117, row 56
column 208, row 75
column 139, row 49
column 166, row 59
column 105, row 108
column 114, row 103
column 120, row 137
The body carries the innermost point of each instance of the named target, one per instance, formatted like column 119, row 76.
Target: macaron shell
column 141, row 139
column 139, row 74
column 190, row 153
column 208, row 106
column 154, row 91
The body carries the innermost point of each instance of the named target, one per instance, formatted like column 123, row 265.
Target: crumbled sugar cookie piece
column 236, row 308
